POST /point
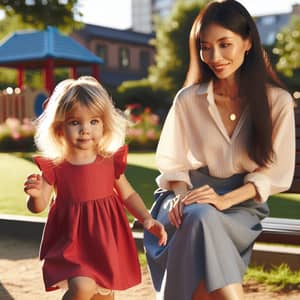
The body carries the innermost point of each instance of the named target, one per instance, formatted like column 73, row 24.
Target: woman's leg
column 229, row 292
column 84, row 288
column 201, row 293
column 104, row 297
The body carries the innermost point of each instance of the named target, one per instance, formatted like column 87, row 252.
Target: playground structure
column 45, row 50
column 21, row 104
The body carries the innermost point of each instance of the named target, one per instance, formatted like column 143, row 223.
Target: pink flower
column 15, row 135
column 151, row 134
column 154, row 119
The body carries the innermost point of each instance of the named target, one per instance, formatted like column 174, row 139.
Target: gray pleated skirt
column 211, row 245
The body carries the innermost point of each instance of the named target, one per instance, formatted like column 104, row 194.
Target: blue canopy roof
column 31, row 48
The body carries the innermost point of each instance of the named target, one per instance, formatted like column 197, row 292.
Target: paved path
column 20, row 277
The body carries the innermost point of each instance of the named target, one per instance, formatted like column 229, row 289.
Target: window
column 144, row 61
column 124, row 60
column 101, row 51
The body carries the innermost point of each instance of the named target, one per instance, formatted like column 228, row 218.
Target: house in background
column 269, row 25
column 126, row 54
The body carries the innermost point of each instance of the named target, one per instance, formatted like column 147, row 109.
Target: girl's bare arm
column 38, row 191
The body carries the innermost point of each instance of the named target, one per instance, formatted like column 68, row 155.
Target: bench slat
column 280, row 230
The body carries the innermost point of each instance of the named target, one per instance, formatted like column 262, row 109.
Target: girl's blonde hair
column 86, row 91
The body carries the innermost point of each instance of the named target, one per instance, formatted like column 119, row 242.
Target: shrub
column 144, row 132
column 143, row 93
column 17, row 136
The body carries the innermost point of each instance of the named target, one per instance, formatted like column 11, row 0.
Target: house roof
column 127, row 36
column 31, row 48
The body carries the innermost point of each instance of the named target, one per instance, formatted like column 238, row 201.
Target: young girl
column 87, row 242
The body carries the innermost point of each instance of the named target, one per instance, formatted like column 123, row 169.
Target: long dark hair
column 255, row 72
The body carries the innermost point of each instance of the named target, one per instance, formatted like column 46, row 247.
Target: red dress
column 87, row 231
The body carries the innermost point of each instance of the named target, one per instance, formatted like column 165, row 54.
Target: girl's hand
column 157, row 229
column 205, row 194
column 33, row 185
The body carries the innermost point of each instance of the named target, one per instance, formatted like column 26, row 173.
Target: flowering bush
column 144, row 132
column 16, row 135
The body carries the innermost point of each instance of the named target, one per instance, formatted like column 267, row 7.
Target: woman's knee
column 196, row 214
column 82, row 286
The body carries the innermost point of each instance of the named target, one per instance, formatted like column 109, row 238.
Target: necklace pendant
column 232, row 117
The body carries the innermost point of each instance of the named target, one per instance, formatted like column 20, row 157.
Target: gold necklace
column 232, row 115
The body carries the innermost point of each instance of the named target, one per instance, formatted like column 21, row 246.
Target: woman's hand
column 175, row 212
column 205, row 194
column 157, row 229
column 33, row 185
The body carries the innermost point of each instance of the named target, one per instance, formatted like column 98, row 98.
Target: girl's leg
column 80, row 288
column 229, row 292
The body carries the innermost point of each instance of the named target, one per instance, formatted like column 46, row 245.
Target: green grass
column 13, row 172
column 285, row 205
column 141, row 173
column 278, row 278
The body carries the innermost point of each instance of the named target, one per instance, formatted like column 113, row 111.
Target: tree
column 288, row 48
column 168, row 73
column 172, row 46
column 42, row 13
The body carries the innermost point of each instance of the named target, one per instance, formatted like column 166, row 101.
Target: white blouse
column 194, row 136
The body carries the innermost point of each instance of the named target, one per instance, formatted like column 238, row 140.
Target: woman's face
column 222, row 50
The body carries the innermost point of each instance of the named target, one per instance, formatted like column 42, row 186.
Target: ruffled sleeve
column 120, row 161
column 47, row 168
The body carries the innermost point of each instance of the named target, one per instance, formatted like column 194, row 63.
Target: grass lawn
column 140, row 172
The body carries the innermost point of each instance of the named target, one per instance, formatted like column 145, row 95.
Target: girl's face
column 82, row 129
column 222, row 50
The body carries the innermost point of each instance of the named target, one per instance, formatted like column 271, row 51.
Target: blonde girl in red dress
column 87, row 245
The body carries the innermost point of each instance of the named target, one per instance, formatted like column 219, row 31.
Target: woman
column 227, row 144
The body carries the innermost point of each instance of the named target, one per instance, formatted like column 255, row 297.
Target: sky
column 117, row 13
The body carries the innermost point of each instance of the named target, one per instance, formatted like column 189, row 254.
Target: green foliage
column 168, row 73
column 40, row 13
column 172, row 46
column 288, row 48
column 141, row 92
column 8, row 78
column 279, row 278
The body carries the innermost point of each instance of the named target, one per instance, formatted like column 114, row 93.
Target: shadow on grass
column 9, row 244
column 143, row 181
column 282, row 207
